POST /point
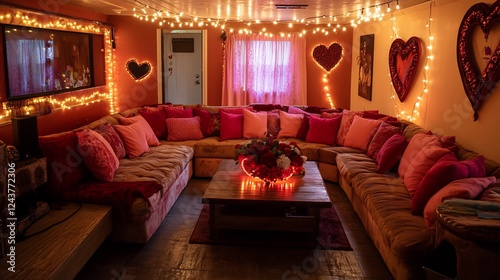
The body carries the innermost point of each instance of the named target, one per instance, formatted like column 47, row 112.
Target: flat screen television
column 41, row 62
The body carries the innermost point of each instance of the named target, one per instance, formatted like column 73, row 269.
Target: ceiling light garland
column 318, row 24
column 23, row 17
column 414, row 114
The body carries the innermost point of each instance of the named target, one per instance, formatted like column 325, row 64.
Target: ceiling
column 245, row 10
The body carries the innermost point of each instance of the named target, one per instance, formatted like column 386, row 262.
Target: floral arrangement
column 269, row 159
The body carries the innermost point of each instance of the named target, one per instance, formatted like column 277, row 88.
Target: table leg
column 212, row 220
column 316, row 221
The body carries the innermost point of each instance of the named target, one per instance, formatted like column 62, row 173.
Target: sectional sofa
column 381, row 198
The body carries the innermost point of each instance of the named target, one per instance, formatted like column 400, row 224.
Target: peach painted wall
column 60, row 120
column 445, row 108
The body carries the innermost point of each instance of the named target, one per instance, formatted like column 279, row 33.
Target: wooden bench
column 61, row 251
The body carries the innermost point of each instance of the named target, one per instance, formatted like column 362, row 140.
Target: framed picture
column 365, row 63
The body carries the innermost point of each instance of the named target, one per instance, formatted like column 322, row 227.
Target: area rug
column 331, row 234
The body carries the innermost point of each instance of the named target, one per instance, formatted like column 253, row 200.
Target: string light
column 23, row 17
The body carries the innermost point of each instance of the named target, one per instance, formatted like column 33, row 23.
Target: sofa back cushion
column 66, row 168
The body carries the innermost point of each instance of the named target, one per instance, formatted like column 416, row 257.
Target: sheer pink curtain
column 263, row 69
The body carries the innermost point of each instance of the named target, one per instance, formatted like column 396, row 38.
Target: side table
column 472, row 227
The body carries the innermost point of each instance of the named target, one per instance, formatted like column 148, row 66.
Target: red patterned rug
column 331, row 234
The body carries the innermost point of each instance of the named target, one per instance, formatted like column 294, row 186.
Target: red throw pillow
column 109, row 134
column 304, row 127
column 323, row 130
column 147, row 131
column 66, row 168
column 361, row 133
column 468, row 188
column 133, row 137
column 156, row 119
column 209, row 122
column 176, row 113
column 476, row 167
column 446, row 170
column 97, row 155
column 231, row 126
column 182, row 129
column 384, row 132
column 390, row 153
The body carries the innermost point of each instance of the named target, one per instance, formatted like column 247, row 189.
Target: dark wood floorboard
column 168, row 255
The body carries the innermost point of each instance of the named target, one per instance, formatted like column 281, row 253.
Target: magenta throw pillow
column 468, row 188
column 231, row 126
column 182, row 129
column 179, row 113
column 109, row 134
column 446, row 170
column 476, row 167
column 384, row 132
column 133, row 137
column 97, row 155
column 156, row 120
column 323, row 130
column 390, row 153
column 209, row 122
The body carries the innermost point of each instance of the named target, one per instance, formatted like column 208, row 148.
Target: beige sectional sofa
column 380, row 200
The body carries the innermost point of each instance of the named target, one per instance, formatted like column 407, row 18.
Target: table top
column 231, row 184
column 474, row 220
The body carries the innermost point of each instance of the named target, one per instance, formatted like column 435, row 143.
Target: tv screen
column 42, row 61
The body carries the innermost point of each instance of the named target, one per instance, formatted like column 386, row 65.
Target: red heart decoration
column 328, row 57
column 403, row 64
column 138, row 71
column 477, row 85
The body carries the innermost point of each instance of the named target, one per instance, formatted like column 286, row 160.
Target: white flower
column 304, row 158
column 297, row 150
column 283, row 162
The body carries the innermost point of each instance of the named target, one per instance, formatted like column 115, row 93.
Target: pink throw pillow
column 345, row 124
column 182, row 129
column 323, row 130
column 468, row 188
column 295, row 110
column 97, row 155
column 390, row 153
column 176, row 113
column 146, row 129
column 290, row 124
column 417, row 143
column 446, row 170
column 254, row 124
column 133, row 137
column 156, row 120
column 209, row 122
column 330, row 115
column 361, row 133
column 384, row 132
column 231, row 126
column 109, row 134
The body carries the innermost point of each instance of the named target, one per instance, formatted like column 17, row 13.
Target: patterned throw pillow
column 97, row 155
column 273, row 122
column 209, row 121
column 384, row 132
column 109, row 134
column 182, row 129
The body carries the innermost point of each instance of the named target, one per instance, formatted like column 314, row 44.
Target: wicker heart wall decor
column 404, row 58
column 138, row 71
column 477, row 85
column 329, row 57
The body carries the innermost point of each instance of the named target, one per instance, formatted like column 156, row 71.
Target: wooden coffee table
column 238, row 201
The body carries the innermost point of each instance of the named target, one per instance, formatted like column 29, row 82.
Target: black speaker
column 25, row 134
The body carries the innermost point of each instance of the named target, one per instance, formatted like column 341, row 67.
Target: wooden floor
column 168, row 255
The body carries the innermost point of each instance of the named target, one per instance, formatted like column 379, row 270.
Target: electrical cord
column 23, row 237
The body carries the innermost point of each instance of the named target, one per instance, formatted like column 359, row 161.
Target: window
column 262, row 69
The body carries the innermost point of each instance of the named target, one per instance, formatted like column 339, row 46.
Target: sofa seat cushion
column 310, row 150
column 351, row 165
column 189, row 143
column 211, row 147
column 389, row 204
column 329, row 154
column 162, row 164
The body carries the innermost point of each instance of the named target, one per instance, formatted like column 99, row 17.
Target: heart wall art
column 329, row 57
column 404, row 58
column 138, row 71
column 478, row 84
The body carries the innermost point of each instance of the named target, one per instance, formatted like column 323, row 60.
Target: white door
column 182, row 67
